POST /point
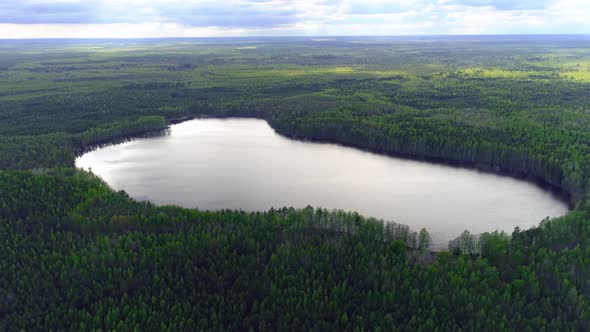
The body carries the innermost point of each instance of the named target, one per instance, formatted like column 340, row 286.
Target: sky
column 231, row 18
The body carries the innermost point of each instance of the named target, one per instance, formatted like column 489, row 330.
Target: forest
column 77, row 255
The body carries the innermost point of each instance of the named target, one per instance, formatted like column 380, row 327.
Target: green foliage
column 41, row 151
column 120, row 130
column 76, row 255
column 84, row 257
column 424, row 239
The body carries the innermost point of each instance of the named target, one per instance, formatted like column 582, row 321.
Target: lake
column 243, row 164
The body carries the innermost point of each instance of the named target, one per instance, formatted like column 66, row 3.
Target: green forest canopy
column 78, row 256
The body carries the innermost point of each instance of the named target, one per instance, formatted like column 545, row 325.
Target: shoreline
column 557, row 191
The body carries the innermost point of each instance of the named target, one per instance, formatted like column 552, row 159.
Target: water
column 243, row 164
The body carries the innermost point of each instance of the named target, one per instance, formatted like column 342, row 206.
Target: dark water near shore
column 243, row 164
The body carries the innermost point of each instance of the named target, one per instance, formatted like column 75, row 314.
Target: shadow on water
column 123, row 139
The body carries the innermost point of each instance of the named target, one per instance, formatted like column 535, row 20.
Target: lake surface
column 243, row 164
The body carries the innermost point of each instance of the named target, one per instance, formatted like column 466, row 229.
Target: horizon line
column 300, row 36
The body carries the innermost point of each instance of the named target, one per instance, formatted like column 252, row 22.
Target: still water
column 243, row 164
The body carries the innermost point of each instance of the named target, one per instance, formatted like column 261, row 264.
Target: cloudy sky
column 197, row 18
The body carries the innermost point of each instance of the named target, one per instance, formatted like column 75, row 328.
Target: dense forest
column 77, row 255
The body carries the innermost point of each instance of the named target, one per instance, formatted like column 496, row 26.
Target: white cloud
column 196, row 18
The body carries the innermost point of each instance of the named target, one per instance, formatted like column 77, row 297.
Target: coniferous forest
column 76, row 255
